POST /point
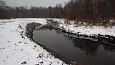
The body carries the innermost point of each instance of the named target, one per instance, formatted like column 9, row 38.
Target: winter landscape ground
column 17, row 49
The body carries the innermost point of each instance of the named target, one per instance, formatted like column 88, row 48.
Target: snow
column 17, row 50
column 87, row 30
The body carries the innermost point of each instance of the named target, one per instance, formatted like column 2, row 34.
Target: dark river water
column 85, row 51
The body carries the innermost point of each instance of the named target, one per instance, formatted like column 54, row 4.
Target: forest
column 74, row 9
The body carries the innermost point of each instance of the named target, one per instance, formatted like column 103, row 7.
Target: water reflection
column 108, row 47
column 89, row 52
column 90, row 47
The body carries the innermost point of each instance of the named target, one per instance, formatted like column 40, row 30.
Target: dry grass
column 86, row 22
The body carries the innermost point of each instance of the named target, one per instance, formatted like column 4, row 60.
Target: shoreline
column 101, row 38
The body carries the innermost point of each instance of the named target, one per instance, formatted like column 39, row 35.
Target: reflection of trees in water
column 46, row 28
column 86, row 45
column 109, row 47
column 89, row 46
column 58, row 31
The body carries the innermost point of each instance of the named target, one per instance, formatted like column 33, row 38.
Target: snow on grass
column 87, row 30
column 17, row 49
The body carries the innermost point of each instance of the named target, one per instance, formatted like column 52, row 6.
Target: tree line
column 74, row 9
column 32, row 12
column 90, row 9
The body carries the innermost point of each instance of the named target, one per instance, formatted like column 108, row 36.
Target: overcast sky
column 28, row 3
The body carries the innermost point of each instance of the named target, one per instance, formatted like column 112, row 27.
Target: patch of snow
column 17, row 49
column 87, row 30
column 111, row 20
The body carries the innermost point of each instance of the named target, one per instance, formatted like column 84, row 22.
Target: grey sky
column 28, row 3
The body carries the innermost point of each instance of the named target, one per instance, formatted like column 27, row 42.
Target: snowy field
column 17, row 49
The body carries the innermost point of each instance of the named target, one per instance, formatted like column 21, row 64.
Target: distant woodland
column 74, row 9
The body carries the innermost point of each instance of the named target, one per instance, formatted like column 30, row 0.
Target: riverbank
column 55, row 24
column 96, row 33
column 15, row 42
column 85, row 28
column 17, row 49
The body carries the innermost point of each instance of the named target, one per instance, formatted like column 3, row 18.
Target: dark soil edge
column 101, row 38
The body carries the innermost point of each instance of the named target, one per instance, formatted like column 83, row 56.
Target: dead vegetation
column 92, row 22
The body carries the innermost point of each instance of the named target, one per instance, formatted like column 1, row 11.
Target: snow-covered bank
column 17, row 49
column 86, row 30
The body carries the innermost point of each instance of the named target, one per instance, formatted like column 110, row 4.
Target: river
column 86, row 51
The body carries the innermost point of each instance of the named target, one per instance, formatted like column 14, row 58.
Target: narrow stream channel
column 85, row 51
